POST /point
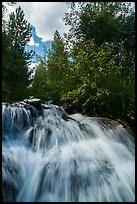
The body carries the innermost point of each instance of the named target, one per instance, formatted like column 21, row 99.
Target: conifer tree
column 57, row 65
column 15, row 58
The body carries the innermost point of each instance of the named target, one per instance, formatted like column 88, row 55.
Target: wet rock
column 68, row 108
column 109, row 123
column 35, row 101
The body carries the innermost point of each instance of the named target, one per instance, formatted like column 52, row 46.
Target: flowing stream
column 48, row 155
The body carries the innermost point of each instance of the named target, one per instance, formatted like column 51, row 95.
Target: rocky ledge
column 34, row 101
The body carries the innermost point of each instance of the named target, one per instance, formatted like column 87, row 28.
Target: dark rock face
column 109, row 123
column 68, row 108
column 115, row 125
column 35, row 101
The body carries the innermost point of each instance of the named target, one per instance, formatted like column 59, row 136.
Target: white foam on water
column 50, row 159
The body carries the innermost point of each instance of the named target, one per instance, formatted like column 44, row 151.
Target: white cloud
column 32, row 43
column 33, row 65
column 46, row 17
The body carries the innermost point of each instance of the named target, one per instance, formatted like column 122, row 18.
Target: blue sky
column 37, row 44
column 45, row 18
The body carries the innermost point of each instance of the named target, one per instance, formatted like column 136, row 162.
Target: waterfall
column 48, row 155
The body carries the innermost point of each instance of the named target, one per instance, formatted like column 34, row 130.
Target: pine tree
column 57, row 66
column 15, row 58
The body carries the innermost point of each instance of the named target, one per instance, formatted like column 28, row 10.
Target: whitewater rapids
column 48, row 155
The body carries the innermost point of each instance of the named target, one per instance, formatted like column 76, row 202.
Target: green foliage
column 101, row 21
column 14, row 57
column 52, row 70
column 105, row 84
column 39, row 82
column 98, row 80
column 57, row 59
column 92, row 68
column 104, row 22
column 18, row 29
column 104, row 70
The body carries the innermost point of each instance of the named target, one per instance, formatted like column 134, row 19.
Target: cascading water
column 48, row 155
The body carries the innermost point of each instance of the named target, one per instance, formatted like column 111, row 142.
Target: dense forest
column 91, row 68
